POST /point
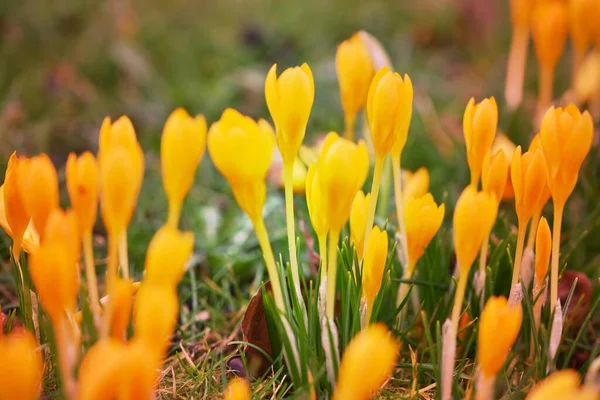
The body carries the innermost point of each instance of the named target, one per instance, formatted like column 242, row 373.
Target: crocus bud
column 17, row 216
column 479, row 128
column 502, row 142
column 289, row 99
column 30, row 240
column 536, row 143
column 355, row 71
column 167, row 256
column 543, row 248
column 582, row 15
column 374, row 263
column 367, row 362
column 237, row 389
column 494, row 174
column 358, row 220
column 182, row 146
column 100, row 370
column 474, row 217
column 389, row 107
column 422, row 219
column 241, row 150
column 566, row 140
column 38, row 184
column 562, row 385
column 21, row 369
column 155, row 316
column 62, row 227
column 82, row 184
column 120, row 302
column 121, row 163
column 56, row 278
column 342, row 170
column 314, row 200
column 498, row 329
column 528, row 176
column 415, row 184
column 138, row 372
column 549, row 29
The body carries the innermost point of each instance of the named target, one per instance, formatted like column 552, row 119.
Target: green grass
column 72, row 63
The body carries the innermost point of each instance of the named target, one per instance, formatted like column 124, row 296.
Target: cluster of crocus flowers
column 497, row 315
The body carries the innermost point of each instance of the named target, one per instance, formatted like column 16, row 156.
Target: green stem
column 458, row 298
column 123, row 254
column 386, row 187
column 288, row 179
column 558, row 214
column 349, row 124
column 374, row 193
column 323, row 254
column 533, row 230
column 331, row 273
column 519, row 252
column 267, row 250
column 90, row 274
column 398, row 198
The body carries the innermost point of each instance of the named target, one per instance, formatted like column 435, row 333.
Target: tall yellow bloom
column 241, row 150
column 182, row 146
column 167, row 255
column 479, row 128
column 543, row 247
column 367, row 362
column 21, row 369
column 497, row 316
column 358, row 220
column 566, row 140
column 563, row 385
column 494, row 174
column 528, row 175
column 62, row 227
column 31, row 240
column 373, row 266
column 38, row 184
column 549, row 29
column 314, row 200
column 155, row 316
column 423, row 219
column 289, row 99
column 17, row 216
column 237, row 389
column 389, row 107
column 82, row 184
column 355, row 71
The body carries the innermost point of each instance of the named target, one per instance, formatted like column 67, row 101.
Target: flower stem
column 331, row 273
column 515, row 73
column 323, row 254
column 123, row 254
column 374, row 193
column 111, row 269
column 482, row 264
column 519, row 252
column 349, row 124
column 578, row 57
column 174, row 214
column 90, row 274
column 369, row 312
column 288, row 179
column 558, row 214
column 545, row 90
column 533, row 230
column 267, row 250
column 64, row 346
column 386, row 188
column 485, row 387
column 400, row 206
column 458, row 298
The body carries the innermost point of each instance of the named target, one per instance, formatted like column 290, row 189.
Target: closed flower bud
column 241, row 150
column 314, row 200
column 536, row 143
column 543, row 248
column 342, row 170
column 38, row 184
column 167, row 256
column 355, row 71
column 21, row 368
column 494, row 174
column 182, row 146
column 479, row 128
column 120, row 302
column 374, row 263
column 415, row 184
column 562, row 385
column 100, row 370
column 82, row 184
column 549, row 29
column 566, row 140
column 289, row 99
column 358, row 220
column 528, row 176
column 139, row 369
column 521, row 12
column 155, row 315
column 474, row 217
column 582, row 23
column 16, row 213
column 30, row 241
column 121, row 163
column 498, row 329
column 367, row 362
column 238, row 389
column 56, row 278
column 508, row 147
column 422, row 218
column 62, row 227
column 389, row 108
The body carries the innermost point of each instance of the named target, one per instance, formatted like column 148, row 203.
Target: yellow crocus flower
column 494, row 174
column 366, row 363
column 415, row 184
column 373, row 267
column 562, row 385
column 167, row 255
column 82, row 184
column 21, row 369
column 17, row 217
column 237, row 389
column 358, row 220
column 543, row 247
column 582, row 16
column 479, row 128
column 100, row 372
column 182, row 146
